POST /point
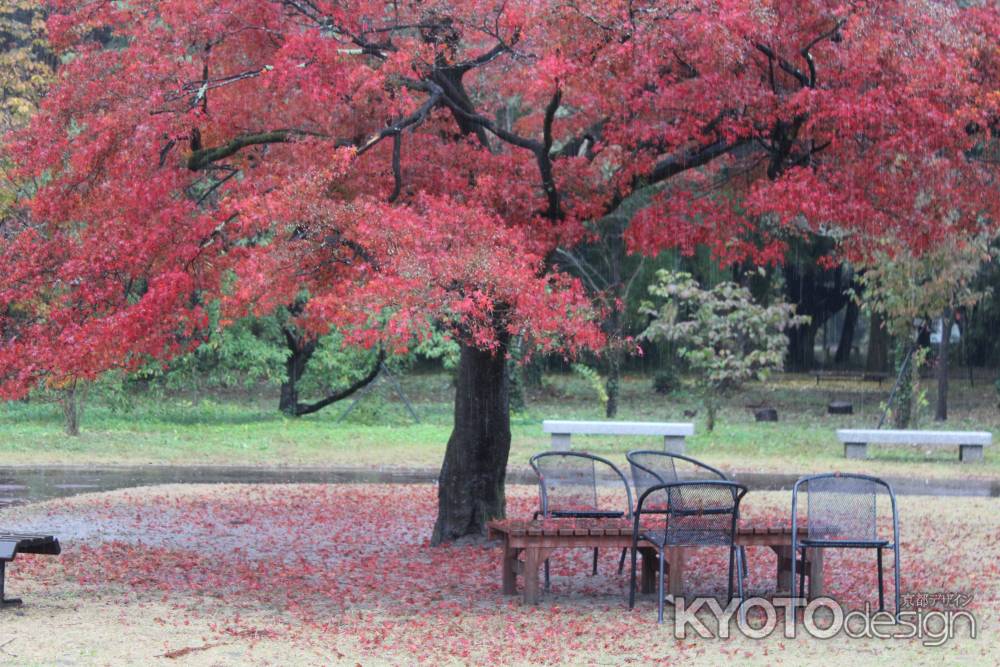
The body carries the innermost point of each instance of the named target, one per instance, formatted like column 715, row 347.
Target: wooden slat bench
column 535, row 540
column 673, row 433
column 970, row 443
column 12, row 544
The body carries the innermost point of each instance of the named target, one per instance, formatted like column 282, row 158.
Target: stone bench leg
column 970, row 453
column 561, row 442
column 856, row 450
column 673, row 444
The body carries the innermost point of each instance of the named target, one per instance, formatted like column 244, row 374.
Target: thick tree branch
column 397, row 171
column 309, row 408
column 201, row 158
column 782, row 63
column 691, row 158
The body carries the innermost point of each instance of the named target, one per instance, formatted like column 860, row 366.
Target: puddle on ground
column 19, row 485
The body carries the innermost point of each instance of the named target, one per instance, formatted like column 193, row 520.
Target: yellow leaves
column 25, row 69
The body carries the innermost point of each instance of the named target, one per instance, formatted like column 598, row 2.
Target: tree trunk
column 711, row 409
column 801, row 346
column 71, row 405
column 301, row 351
column 878, row 346
column 614, row 326
column 947, row 321
column 612, row 385
column 471, row 483
column 843, row 355
column 904, row 393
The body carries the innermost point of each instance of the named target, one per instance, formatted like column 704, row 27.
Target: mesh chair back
column 651, row 467
column 567, row 482
column 842, row 508
column 695, row 513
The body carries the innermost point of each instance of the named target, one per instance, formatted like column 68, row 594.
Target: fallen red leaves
column 349, row 569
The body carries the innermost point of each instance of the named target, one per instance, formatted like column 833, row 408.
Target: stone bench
column 673, row 434
column 970, row 443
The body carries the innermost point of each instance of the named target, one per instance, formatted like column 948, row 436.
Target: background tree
column 723, row 335
column 415, row 164
column 908, row 293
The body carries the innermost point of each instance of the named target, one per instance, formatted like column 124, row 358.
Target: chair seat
column 686, row 538
column 845, row 544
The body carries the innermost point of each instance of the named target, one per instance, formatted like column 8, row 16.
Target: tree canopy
column 411, row 164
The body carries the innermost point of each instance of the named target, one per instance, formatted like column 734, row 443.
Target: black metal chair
column 656, row 466
column 842, row 513
column 567, row 487
column 651, row 467
column 699, row 513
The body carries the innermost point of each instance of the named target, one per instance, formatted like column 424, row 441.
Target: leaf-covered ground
column 344, row 574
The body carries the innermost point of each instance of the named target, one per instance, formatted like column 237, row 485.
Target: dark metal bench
column 856, row 376
column 12, row 544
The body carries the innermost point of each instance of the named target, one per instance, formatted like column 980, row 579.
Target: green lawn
column 248, row 430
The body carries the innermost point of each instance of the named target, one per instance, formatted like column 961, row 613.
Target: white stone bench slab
column 673, row 433
column 970, row 443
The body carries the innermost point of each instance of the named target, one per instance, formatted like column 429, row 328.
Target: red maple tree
column 412, row 164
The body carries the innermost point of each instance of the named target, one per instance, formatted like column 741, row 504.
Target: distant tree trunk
column 612, row 383
column 532, row 372
column 947, row 321
column 72, row 405
column 818, row 293
column 878, row 346
column 801, row 346
column 471, row 483
column 613, row 361
column 904, row 394
column 711, row 411
column 843, row 354
column 301, row 350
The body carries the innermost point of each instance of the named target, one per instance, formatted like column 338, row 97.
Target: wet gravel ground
column 20, row 485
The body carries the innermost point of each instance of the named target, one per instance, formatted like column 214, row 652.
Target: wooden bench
column 970, row 443
column 535, row 540
column 673, row 434
column 12, row 544
column 851, row 375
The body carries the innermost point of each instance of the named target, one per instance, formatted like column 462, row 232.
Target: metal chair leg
column 5, row 602
column 732, row 557
column 881, row 585
column 621, row 561
column 631, row 586
column 546, row 574
column 895, row 573
column 595, row 560
column 740, row 573
column 802, row 575
column 659, row 612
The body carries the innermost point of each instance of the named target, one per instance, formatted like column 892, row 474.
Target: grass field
column 247, row 429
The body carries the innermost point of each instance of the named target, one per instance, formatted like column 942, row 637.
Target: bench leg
column 675, row 579
column 856, row 450
column 783, row 575
column 5, row 602
column 509, row 569
column 815, row 558
column 561, row 442
column 650, row 560
column 970, row 453
column 673, row 444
